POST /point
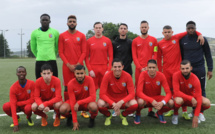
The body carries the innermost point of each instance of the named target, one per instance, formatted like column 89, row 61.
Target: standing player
column 187, row 91
column 44, row 45
column 169, row 51
column 117, row 92
column 195, row 53
column 47, row 95
column 144, row 48
column 149, row 92
column 21, row 98
column 72, row 50
column 99, row 55
column 82, row 96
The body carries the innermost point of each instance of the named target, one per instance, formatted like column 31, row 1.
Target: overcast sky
column 25, row 14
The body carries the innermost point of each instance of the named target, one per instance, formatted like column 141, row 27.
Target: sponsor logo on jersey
column 181, row 82
column 147, row 82
column 139, row 45
column 78, row 38
column 117, row 46
column 124, row 84
column 50, row 35
column 190, row 85
column 28, row 91
column 150, row 44
column 158, row 83
column 173, row 41
column 104, row 43
column 92, row 44
column 53, row 89
column 66, row 39
column 86, row 88
column 112, row 84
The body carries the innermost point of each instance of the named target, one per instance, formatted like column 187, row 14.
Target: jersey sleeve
column 181, row 35
column 92, row 94
column 58, row 96
column 197, row 96
column 130, row 87
column 72, row 100
column 56, row 42
column 61, row 49
column 13, row 102
column 159, row 59
column 87, row 57
column 33, row 44
column 110, row 54
column 134, row 55
column 208, row 57
column 83, row 49
column 166, row 89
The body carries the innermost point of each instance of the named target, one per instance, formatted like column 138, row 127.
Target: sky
column 25, row 14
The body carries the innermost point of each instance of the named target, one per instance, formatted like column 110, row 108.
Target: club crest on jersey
column 86, row 88
column 158, row 83
column 104, row 43
column 53, row 89
column 78, row 39
column 150, row 44
column 173, row 41
column 190, row 85
column 28, row 91
column 124, row 84
column 50, row 35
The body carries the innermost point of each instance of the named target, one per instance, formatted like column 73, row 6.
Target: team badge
column 28, row 91
column 158, row 83
column 190, row 85
column 124, row 84
column 150, row 44
column 173, row 41
column 53, row 89
column 50, row 35
column 104, row 43
column 86, row 88
column 78, row 39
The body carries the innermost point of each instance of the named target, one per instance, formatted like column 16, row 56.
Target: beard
column 72, row 28
column 186, row 76
column 144, row 33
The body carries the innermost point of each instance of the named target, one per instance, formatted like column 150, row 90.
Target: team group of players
column 179, row 59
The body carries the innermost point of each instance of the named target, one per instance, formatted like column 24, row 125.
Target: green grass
column 148, row 125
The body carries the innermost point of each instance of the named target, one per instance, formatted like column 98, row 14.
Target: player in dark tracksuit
column 195, row 53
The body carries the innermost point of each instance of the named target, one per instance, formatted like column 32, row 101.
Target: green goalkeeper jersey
column 44, row 44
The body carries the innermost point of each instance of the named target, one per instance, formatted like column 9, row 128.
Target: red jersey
column 49, row 93
column 72, row 47
column 81, row 93
column 98, row 51
column 113, row 90
column 188, row 88
column 148, row 87
column 143, row 50
column 169, row 50
column 20, row 97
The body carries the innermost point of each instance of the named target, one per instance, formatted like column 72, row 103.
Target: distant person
column 99, row 55
column 21, row 98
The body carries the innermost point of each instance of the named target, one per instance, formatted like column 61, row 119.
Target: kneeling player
column 117, row 92
column 21, row 98
column 47, row 95
column 82, row 96
column 187, row 92
column 149, row 92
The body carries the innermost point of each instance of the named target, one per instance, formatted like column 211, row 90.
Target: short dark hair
column 46, row 67
column 97, row 23
column 152, row 61
column 191, row 22
column 72, row 17
column 123, row 25
column 185, row 62
column 79, row 67
column 117, row 60
column 45, row 15
column 144, row 21
column 20, row 67
column 167, row 27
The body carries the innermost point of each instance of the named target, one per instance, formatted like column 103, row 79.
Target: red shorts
column 83, row 107
column 67, row 75
column 186, row 102
column 158, row 98
column 51, row 106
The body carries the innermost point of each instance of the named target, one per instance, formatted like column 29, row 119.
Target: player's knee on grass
column 57, row 104
column 179, row 100
column 92, row 106
column 101, row 103
column 140, row 102
column 64, row 108
column 170, row 103
column 34, row 106
column 206, row 102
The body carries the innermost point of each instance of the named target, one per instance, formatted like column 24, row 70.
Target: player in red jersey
column 99, row 55
column 149, row 92
column 21, row 98
column 187, row 92
column 47, row 95
column 72, row 50
column 117, row 92
column 169, row 52
column 82, row 96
